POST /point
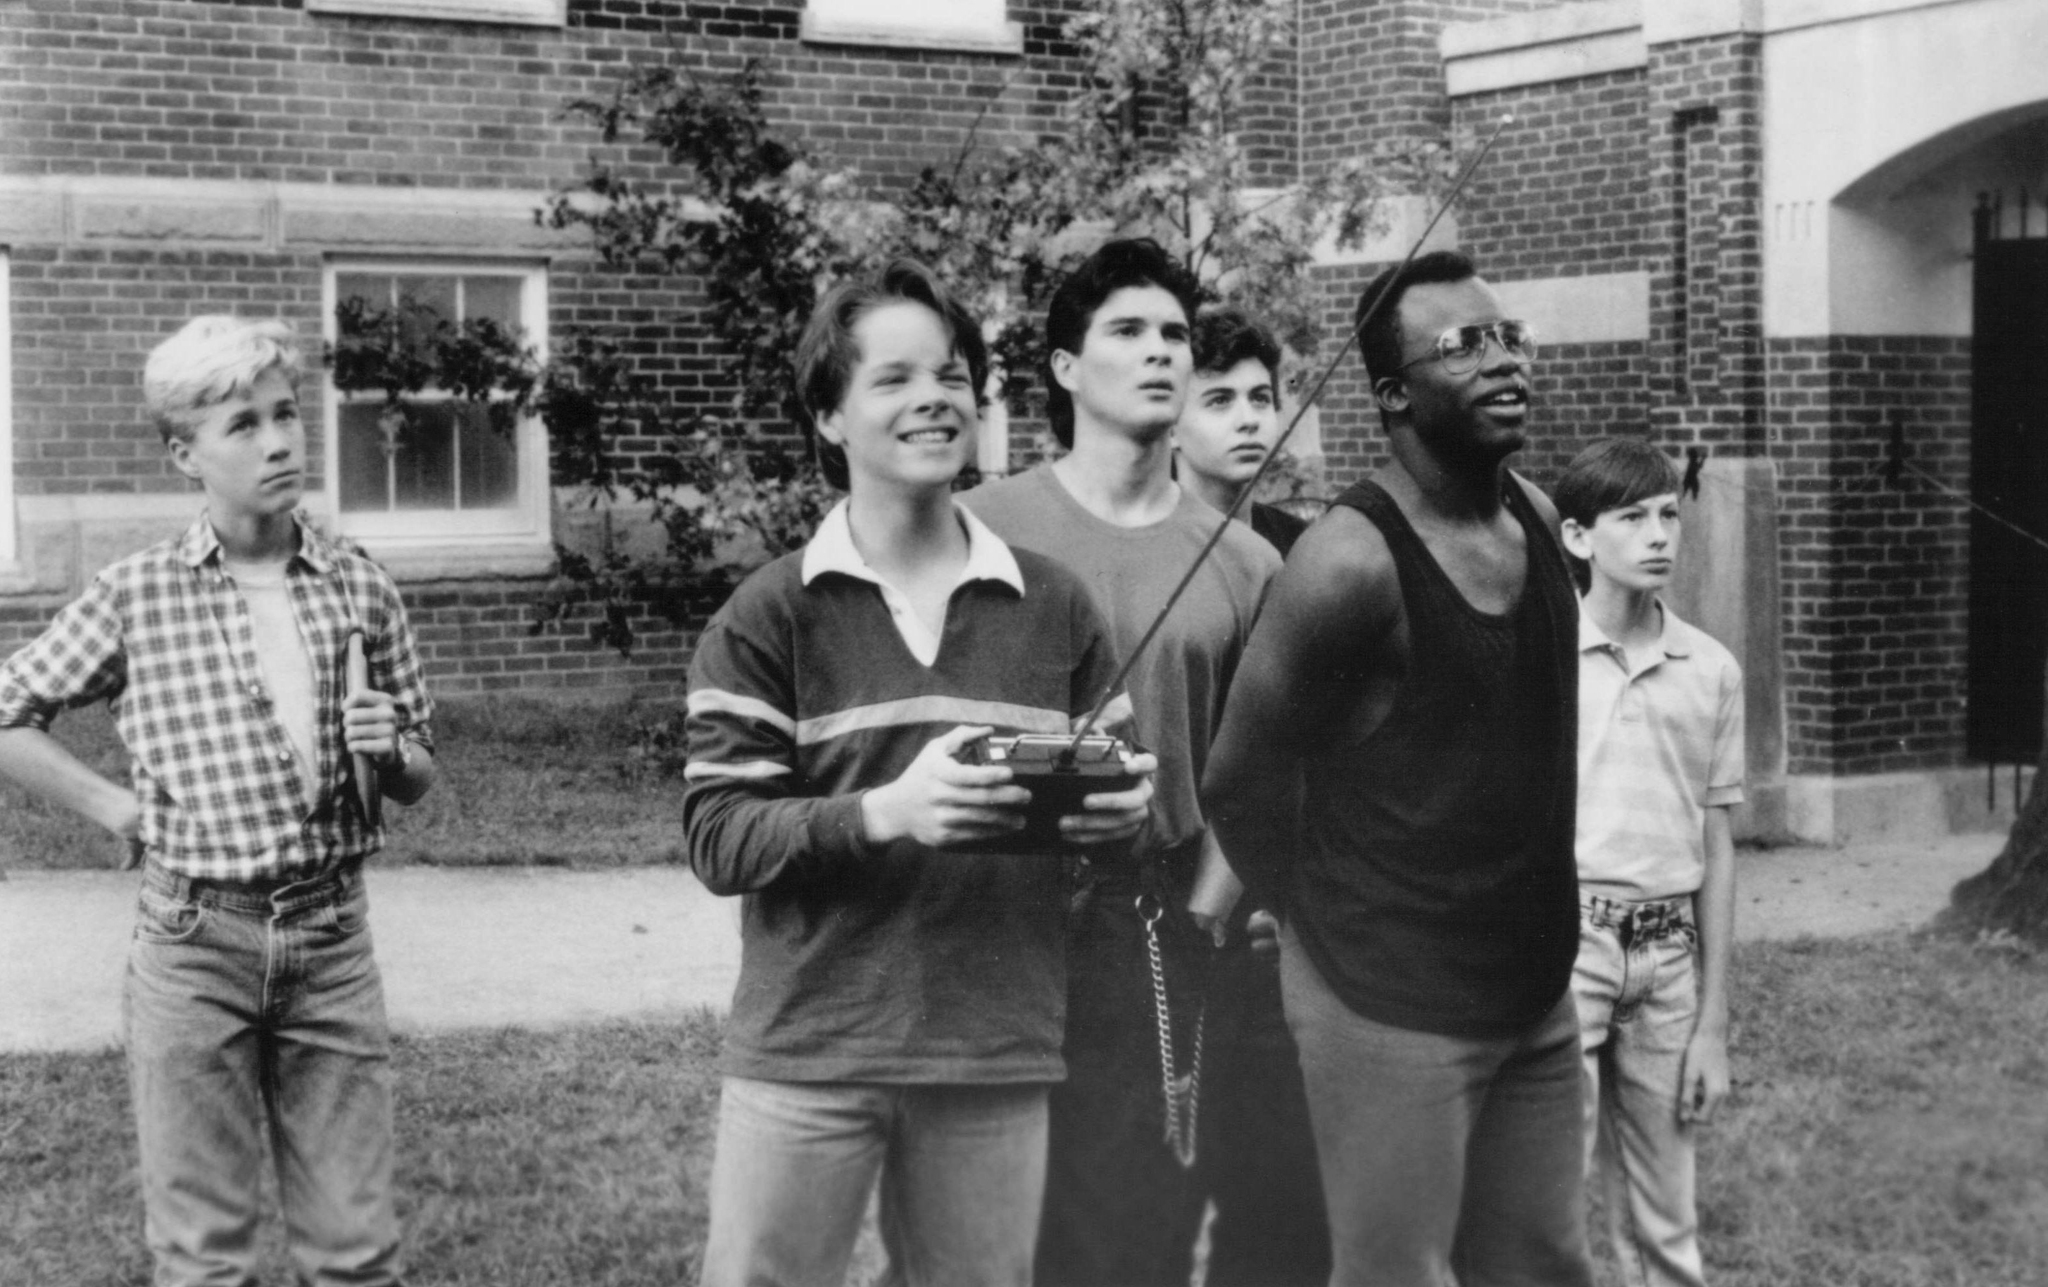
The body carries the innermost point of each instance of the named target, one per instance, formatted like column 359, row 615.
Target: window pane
column 423, row 471
column 494, row 297
column 437, row 293
column 445, row 456
column 373, row 291
column 490, row 462
column 360, row 446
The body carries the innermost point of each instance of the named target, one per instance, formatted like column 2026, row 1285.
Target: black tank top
column 1437, row 889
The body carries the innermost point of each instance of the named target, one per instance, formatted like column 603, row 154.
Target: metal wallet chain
column 1181, row 1094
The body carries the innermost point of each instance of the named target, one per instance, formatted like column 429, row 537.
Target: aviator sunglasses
column 1461, row 347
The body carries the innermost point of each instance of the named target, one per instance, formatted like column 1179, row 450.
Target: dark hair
column 1610, row 474
column 1379, row 340
column 1224, row 337
column 827, row 352
column 1115, row 265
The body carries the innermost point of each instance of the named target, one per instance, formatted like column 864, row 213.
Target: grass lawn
column 523, row 782
column 574, row 1157
column 1889, row 1128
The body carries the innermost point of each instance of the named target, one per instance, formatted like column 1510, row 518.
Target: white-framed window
column 977, row 25
column 528, row 13
column 443, row 472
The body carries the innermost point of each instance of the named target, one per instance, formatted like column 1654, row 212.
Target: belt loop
column 173, row 884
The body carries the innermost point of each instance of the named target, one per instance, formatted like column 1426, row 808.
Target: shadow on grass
column 524, row 782
column 1889, row 1128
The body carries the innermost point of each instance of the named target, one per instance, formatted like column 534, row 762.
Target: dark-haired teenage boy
column 1232, row 420
column 1660, row 766
column 1258, row 1160
column 1417, row 666
column 898, row 1014
column 1120, row 1207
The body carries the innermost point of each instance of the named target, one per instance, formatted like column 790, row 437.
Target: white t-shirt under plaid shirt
column 165, row 636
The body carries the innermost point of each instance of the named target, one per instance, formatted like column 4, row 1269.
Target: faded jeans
column 1638, row 1002
column 961, row 1170
column 254, row 1015
column 1445, row 1159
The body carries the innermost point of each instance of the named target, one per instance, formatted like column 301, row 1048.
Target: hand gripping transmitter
column 1059, row 770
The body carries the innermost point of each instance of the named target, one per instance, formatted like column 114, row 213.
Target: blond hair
column 211, row 359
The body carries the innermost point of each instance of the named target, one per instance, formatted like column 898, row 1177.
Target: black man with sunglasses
column 1413, row 677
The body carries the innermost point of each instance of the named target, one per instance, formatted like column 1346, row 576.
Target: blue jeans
column 961, row 1169
column 1638, row 1003
column 1445, row 1159
column 256, row 1014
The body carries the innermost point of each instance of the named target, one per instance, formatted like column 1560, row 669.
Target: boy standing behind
column 1660, row 764
column 253, row 1007
column 1258, row 1157
column 1232, row 420
column 899, row 1006
column 1121, row 1207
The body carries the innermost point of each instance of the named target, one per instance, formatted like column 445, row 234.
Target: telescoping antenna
column 1244, row 493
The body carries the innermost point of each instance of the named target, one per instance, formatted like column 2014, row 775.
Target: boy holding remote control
column 899, row 1009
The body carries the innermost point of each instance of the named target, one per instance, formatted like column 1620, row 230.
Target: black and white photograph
column 1023, row 643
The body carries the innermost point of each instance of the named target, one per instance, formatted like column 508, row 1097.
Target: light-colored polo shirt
column 1658, row 747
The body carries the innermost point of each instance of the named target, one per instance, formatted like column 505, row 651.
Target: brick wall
column 1705, row 137
column 255, row 90
column 1371, row 73
column 1562, row 192
column 181, row 89
column 478, row 638
column 1874, row 574
column 83, row 320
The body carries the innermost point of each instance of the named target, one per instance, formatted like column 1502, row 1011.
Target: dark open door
column 2009, row 476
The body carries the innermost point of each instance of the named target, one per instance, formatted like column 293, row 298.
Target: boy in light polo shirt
column 1660, row 764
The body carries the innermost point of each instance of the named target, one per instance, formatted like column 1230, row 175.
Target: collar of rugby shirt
column 831, row 550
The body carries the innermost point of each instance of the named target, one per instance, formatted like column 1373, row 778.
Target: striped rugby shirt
column 895, row 963
column 165, row 637
column 1658, row 747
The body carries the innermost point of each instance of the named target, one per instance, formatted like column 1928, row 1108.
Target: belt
column 275, row 893
column 1649, row 920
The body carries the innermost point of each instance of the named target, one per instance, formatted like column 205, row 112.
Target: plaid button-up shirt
column 165, row 637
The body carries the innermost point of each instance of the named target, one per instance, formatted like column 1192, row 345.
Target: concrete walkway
column 539, row 946
column 459, row 947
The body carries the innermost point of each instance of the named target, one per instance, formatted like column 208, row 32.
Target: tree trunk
column 2012, row 893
